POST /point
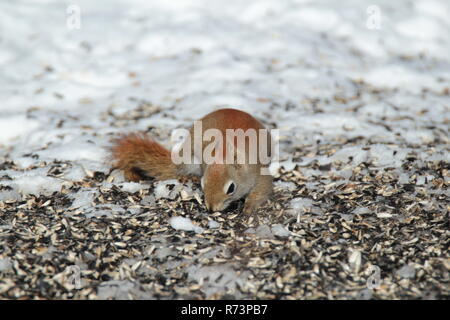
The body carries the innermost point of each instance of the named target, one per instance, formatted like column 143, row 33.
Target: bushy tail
column 141, row 157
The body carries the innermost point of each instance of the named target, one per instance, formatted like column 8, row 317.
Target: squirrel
column 222, row 181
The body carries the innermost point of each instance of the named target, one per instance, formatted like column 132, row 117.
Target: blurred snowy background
column 346, row 73
column 317, row 69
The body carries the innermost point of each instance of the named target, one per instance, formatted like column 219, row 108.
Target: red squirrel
column 222, row 181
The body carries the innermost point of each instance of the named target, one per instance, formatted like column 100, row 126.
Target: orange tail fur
column 141, row 157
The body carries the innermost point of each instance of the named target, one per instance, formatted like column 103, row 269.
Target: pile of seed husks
column 361, row 234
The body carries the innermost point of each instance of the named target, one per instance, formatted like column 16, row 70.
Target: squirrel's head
column 224, row 183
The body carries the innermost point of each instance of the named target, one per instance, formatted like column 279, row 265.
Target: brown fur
column 215, row 176
column 140, row 157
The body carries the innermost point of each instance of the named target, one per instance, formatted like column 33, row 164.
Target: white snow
column 83, row 198
column 289, row 186
column 132, row 187
column 213, row 224
column 9, row 195
column 103, row 210
column 403, row 178
column 148, row 200
column 214, row 279
column 280, row 231
column 76, row 173
column 33, row 182
column 75, row 150
column 120, row 290
column 14, row 126
column 407, row 271
column 288, row 165
column 301, row 204
column 5, row 264
column 24, row 162
column 264, row 231
column 163, row 190
column 361, row 210
column 181, row 223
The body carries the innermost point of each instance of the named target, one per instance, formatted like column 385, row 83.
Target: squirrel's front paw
column 248, row 208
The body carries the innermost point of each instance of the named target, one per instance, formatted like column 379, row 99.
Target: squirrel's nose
column 216, row 207
column 213, row 207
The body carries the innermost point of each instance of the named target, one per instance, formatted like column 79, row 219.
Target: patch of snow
column 264, row 231
column 103, row 210
column 164, row 252
column 361, row 210
column 181, row 223
column 5, row 264
column 148, row 200
column 9, row 195
column 132, row 187
column 163, row 189
column 34, row 182
column 75, row 150
column 15, row 126
column 403, row 178
column 24, row 162
column 288, row 165
column 120, row 290
column 83, row 198
column 280, row 231
column 289, row 186
column 353, row 154
column 250, row 231
column 217, row 279
column 76, row 173
column 407, row 271
column 213, row 224
column 301, row 204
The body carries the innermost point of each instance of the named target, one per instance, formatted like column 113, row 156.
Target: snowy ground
column 358, row 107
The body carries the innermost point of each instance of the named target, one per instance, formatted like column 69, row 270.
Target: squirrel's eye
column 231, row 188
